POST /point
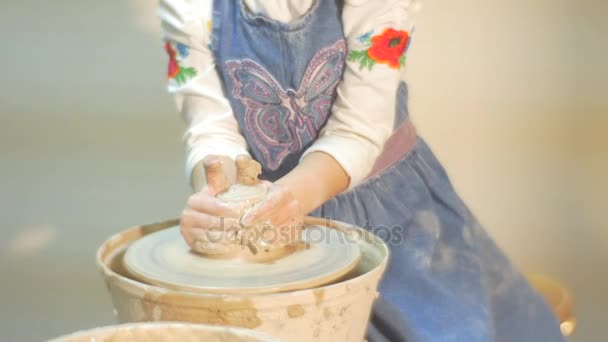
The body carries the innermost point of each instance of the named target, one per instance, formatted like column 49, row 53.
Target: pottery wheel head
column 164, row 259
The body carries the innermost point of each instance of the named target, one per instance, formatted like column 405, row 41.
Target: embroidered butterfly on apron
column 283, row 121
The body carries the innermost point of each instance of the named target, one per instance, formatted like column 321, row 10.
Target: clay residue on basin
column 319, row 294
column 216, row 310
column 295, row 311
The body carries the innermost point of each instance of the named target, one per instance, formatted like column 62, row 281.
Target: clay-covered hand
column 206, row 223
column 281, row 211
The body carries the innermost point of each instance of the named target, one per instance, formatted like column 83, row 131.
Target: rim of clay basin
column 158, row 326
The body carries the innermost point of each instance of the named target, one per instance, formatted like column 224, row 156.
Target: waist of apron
column 398, row 145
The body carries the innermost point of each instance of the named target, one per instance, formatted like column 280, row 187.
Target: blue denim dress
column 446, row 280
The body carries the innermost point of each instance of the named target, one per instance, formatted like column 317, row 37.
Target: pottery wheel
column 164, row 259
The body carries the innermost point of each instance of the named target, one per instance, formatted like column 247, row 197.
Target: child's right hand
column 206, row 222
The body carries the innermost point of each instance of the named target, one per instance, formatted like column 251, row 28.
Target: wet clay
column 235, row 240
column 247, row 171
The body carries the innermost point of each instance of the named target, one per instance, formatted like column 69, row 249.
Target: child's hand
column 206, row 222
column 210, row 226
column 282, row 210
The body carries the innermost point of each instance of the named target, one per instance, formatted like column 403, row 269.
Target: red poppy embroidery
column 175, row 71
column 386, row 48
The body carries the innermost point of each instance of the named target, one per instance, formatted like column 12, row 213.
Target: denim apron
column 446, row 280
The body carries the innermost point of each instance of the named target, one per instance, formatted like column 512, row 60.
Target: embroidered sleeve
column 195, row 83
column 378, row 34
column 186, row 32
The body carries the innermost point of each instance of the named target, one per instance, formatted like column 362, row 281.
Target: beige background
column 510, row 94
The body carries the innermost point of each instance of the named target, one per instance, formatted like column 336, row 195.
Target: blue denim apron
column 446, row 280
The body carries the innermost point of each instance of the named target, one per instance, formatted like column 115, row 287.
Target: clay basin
column 157, row 332
column 333, row 312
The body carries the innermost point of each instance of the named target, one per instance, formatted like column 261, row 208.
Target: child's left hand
column 281, row 208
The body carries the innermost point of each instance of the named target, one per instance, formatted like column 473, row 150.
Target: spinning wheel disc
column 164, row 259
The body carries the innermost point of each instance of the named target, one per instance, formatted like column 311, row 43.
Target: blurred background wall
column 511, row 95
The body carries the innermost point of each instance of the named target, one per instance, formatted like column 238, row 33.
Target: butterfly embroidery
column 282, row 122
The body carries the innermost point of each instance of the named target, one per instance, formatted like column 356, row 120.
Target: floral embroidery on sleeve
column 386, row 48
column 175, row 71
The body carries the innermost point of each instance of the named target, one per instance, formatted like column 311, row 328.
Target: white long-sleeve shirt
column 362, row 116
